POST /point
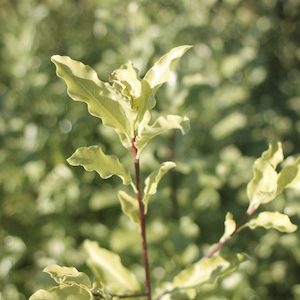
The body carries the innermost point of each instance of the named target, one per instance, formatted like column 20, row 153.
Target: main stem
column 142, row 219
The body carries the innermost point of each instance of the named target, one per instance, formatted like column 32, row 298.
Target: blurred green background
column 240, row 87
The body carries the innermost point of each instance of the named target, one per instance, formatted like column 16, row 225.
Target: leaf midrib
column 77, row 81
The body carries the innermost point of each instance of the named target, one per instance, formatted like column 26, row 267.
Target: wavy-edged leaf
column 274, row 220
column 152, row 181
column 162, row 69
column 129, row 206
column 84, row 85
column 108, row 266
column 289, row 177
column 137, row 91
column 67, row 275
column 94, row 159
column 127, row 78
column 230, row 227
column 67, row 290
column 161, row 125
column 263, row 185
column 207, row 270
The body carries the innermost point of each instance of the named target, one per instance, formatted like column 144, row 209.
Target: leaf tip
column 71, row 161
column 55, row 58
column 188, row 47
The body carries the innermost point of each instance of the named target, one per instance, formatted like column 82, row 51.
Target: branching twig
column 216, row 247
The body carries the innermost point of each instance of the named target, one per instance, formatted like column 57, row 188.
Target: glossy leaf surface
column 94, row 159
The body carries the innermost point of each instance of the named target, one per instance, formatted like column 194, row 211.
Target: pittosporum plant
column 124, row 104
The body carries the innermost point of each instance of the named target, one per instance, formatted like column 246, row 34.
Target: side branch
column 216, row 247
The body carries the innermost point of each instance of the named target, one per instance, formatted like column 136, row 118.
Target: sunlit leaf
column 289, row 177
column 71, row 292
column 161, row 125
column 68, row 275
column 84, row 85
column 64, row 291
column 127, row 78
column 274, row 220
column 207, row 270
column 263, row 185
column 162, row 69
column 137, row 91
column 129, row 206
column 145, row 102
column 230, row 227
column 43, row 295
column 108, row 265
column 153, row 180
column 94, row 159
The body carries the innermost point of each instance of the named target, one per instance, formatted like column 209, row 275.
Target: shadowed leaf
column 129, row 206
column 289, row 177
column 161, row 125
column 152, row 181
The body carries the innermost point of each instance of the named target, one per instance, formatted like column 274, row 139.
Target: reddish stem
column 216, row 247
column 142, row 219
